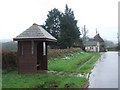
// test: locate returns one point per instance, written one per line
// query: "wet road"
(105, 72)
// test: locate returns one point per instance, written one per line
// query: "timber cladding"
(30, 57)
(32, 49)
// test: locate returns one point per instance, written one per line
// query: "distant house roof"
(35, 32)
(90, 43)
(93, 41)
(98, 38)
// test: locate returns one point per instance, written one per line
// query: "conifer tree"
(52, 23)
(69, 30)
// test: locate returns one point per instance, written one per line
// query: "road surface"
(105, 72)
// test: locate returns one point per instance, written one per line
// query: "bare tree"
(84, 32)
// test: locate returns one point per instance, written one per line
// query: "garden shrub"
(9, 59)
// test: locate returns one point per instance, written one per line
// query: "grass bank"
(73, 61)
(81, 62)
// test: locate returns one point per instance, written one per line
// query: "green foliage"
(87, 67)
(9, 60)
(15, 80)
(69, 30)
(63, 27)
(73, 62)
(52, 23)
(59, 53)
(79, 43)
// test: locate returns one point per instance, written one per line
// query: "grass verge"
(88, 66)
(15, 80)
(77, 62)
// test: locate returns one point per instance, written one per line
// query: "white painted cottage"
(91, 46)
(95, 44)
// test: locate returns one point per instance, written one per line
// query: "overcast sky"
(18, 15)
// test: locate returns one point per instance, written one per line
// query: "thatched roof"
(35, 32)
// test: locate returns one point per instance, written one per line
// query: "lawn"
(73, 61)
